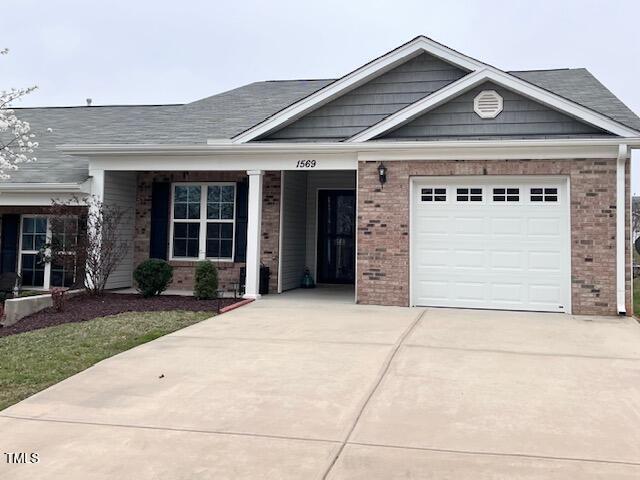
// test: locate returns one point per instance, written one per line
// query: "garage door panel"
(468, 259)
(468, 225)
(513, 260)
(511, 255)
(545, 261)
(506, 226)
(547, 227)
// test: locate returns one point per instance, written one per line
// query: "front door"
(336, 241)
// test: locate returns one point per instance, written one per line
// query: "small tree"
(86, 237)
(16, 140)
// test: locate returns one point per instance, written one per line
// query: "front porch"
(242, 221)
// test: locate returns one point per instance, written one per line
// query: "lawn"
(32, 361)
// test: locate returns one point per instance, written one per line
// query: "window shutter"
(9, 242)
(242, 214)
(160, 199)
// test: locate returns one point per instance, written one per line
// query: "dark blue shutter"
(160, 199)
(9, 245)
(242, 214)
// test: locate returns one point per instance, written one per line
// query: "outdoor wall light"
(382, 174)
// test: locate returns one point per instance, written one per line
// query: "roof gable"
(367, 104)
(355, 79)
(505, 80)
(520, 117)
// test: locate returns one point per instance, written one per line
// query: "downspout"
(623, 153)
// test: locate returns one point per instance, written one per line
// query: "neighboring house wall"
(294, 231)
(120, 191)
(368, 104)
(327, 179)
(228, 272)
(520, 117)
(383, 226)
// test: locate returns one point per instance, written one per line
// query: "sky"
(158, 51)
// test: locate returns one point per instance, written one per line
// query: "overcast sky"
(157, 51)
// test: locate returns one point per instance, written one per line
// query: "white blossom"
(16, 144)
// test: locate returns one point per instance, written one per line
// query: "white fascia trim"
(356, 78)
(107, 150)
(501, 78)
(623, 154)
(42, 187)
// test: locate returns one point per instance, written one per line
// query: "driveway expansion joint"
(372, 391)
(167, 429)
(497, 454)
(515, 352)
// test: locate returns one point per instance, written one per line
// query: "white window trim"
(202, 239)
(47, 265)
(46, 285)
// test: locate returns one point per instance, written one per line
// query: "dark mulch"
(85, 307)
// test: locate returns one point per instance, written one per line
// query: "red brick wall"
(383, 226)
(228, 272)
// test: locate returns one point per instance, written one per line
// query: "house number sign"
(306, 164)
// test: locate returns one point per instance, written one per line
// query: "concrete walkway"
(307, 385)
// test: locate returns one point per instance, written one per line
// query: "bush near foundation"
(206, 281)
(153, 277)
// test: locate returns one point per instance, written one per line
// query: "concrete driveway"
(304, 386)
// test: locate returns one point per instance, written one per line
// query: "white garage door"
(491, 242)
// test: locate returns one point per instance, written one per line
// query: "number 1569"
(306, 164)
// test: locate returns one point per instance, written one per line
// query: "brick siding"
(228, 272)
(383, 226)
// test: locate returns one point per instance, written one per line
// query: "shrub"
(206, 286)
(153, 276)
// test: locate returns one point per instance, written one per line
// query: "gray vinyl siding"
(294, 215)
(329, 179)
(521, 117)
(368, 104)
(120, 190)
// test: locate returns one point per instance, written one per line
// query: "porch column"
(254, 223)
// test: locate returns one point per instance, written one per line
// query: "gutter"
(41, 187)
(334, 147)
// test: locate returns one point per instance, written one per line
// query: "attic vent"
(487, 104)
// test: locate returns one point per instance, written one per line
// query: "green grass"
(636, 296)
(32, 361)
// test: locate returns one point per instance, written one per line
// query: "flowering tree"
(16, 140)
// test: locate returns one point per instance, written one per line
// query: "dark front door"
(336, 231)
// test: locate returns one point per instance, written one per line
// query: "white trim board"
(356, 78)
(505, 80)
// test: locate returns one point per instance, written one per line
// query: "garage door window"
(434, 194)
(510, 194)
(544, 194)
(469, 194)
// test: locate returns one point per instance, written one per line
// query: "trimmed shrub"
(206, 286)
(153, 276)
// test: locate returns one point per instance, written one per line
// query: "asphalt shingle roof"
(227, 114)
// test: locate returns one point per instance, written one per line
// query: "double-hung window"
(35, 232)
(203, 221)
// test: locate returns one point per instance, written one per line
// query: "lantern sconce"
(382, 174)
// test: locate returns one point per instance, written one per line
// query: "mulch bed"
(85, 307)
